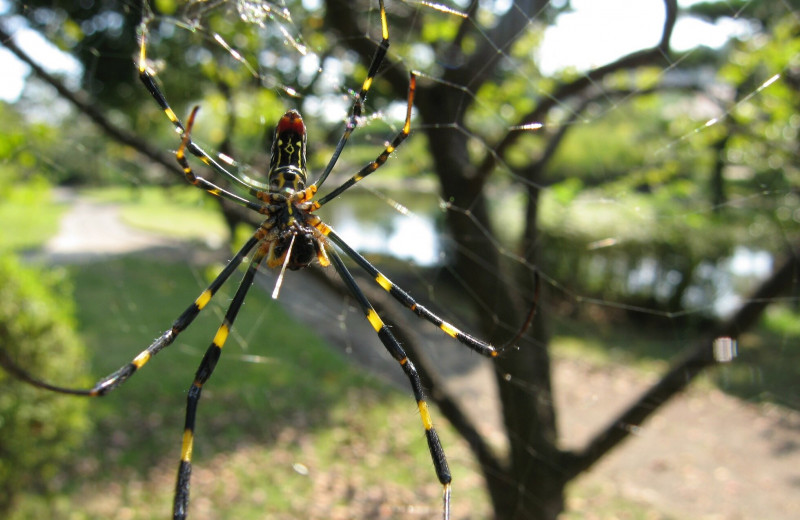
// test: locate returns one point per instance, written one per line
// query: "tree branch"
(496, 41)
(532, 172)
(78, 99)
(690, 364)
(572, 88)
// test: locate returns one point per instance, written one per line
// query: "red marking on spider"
(291, 122)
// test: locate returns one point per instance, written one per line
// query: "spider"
(290, 237)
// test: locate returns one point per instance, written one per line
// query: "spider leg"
(249, 185)
(358, 105)
(406, 299)
(204, 184)
(117, 378)
(397, 352)
(381, 159)
(202, 375)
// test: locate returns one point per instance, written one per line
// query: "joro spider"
(290, 237)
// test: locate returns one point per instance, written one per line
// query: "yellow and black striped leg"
(397, 352)
(358, 105)
(408, 301)
(381, 159)
(152, 87)
(210, 187)
(204, 372)
(117, 378)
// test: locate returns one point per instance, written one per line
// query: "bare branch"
(690, 364)
(495, 42)
(653, 56)
(78, 100)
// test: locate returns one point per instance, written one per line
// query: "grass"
(286, 424)
(28, 215)
(301, 434)
(603, 502)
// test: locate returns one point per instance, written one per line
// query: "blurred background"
(627, 169)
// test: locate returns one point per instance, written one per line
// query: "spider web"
(618, 216)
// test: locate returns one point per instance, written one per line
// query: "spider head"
(287, 163)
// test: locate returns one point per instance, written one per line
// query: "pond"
(404, 224)
(407, 224)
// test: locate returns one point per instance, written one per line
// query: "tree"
(483, 66)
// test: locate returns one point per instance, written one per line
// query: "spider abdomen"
(304, 251)
(291, 235)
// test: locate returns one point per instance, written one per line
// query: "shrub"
(37, 428)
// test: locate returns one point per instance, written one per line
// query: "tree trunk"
(531, 487)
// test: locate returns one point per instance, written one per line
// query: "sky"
(614, 28)
(619, 27)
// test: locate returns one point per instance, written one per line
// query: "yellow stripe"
(367, 84)
(203, 299)
(141, 359)
(322, 257)
(170, 114)
(375, 320)
(142, 65)
(384, 24)
(449, 329)
(221, 336)
(383, 282)
(426, 417)
(322, 228)
(186, 449)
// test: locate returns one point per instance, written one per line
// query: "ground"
(705, 455)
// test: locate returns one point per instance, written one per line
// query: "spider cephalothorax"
(287, 162)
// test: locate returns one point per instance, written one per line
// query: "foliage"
(38, 429)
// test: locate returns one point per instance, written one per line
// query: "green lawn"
(286, 425)
(299, 432)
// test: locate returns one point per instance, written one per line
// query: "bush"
(37, 428)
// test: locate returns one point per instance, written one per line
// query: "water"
(401, 224)
(408, 225)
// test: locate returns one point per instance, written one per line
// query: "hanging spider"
(290, 237)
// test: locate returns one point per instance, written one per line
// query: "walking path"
(705, 455)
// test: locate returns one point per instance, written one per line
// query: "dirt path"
(705, 455)
(91, 229)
